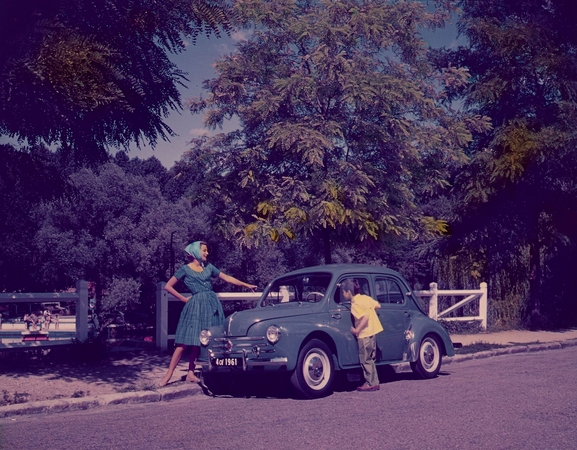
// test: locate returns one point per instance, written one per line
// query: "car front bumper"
(242, 354)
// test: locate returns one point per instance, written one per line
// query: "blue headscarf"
(194, 249)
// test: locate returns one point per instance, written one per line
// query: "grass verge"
(477, 347)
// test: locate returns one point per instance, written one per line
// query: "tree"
(518, 192)
(28, 178)
(343, 125)
(89, 75)
(115, 229)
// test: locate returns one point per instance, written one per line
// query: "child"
(367, 325)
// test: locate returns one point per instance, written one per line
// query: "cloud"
(198, 132)
(241, 35)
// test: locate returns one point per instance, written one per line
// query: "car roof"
(339, 269)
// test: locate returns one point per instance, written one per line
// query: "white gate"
(470, 295)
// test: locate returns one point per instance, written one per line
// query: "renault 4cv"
(301, 327)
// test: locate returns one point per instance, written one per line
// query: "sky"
(198, 61)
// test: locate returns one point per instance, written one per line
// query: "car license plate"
(227, 362)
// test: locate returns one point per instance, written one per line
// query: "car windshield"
(310, 288)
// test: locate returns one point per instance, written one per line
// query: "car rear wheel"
(314, 374)
(428, 362)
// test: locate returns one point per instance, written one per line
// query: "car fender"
(337, 343)
(422, 327)
(294, 335)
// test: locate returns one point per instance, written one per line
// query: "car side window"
(389, 291)
(361, 284)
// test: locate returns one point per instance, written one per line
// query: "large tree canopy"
(342, 119)
(518, 192)
(88, 75)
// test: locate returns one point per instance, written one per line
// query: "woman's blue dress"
(203, 309)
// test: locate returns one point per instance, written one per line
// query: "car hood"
(238, 324)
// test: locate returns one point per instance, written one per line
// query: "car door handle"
(407, 313)
(336, 316)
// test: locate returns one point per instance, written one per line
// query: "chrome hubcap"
(315, 370)
(429, 355)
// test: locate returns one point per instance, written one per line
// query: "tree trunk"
(535, 278)
(327, 246)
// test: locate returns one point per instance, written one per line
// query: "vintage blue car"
(301, 327)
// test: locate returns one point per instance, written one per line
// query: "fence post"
(82, 311)
(161, 316)
(483, 306)
(434, 302)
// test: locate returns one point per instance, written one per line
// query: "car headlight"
(205, 337)
(273, 334)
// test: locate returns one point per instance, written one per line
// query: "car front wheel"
(428, 362)
(314, 374)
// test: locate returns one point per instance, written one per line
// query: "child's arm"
(363, 322)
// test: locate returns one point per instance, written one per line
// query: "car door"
(395, 317)
(341, 319)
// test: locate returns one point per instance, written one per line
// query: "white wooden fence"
(80, 297)
(433, 295)
(163, 298)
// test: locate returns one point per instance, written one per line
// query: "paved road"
(526, 400)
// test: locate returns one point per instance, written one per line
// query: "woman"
(201, 311)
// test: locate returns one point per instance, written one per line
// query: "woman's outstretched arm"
(232, 280)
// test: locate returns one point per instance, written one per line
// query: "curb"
(512, 350)
(163, 394)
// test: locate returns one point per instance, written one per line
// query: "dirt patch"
(35, 376)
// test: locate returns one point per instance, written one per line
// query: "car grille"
(249, 345)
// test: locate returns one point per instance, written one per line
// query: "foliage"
(516, 195)
(14, 399)
(121, 294)
(459, 327)
(342, 121)
(116, 230)
(89, 75)
(27, 179)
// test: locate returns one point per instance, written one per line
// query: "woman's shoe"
(163, 382)
(192, 378)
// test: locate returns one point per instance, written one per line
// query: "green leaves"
(518, 190)
(517, 145)
(89, 76)
(340, 112)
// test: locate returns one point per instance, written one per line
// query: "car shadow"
(279, 386)
(250, 386)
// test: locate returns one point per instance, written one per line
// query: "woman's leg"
(194, 353)
(173, 363)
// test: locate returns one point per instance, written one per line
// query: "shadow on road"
(279, 386)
